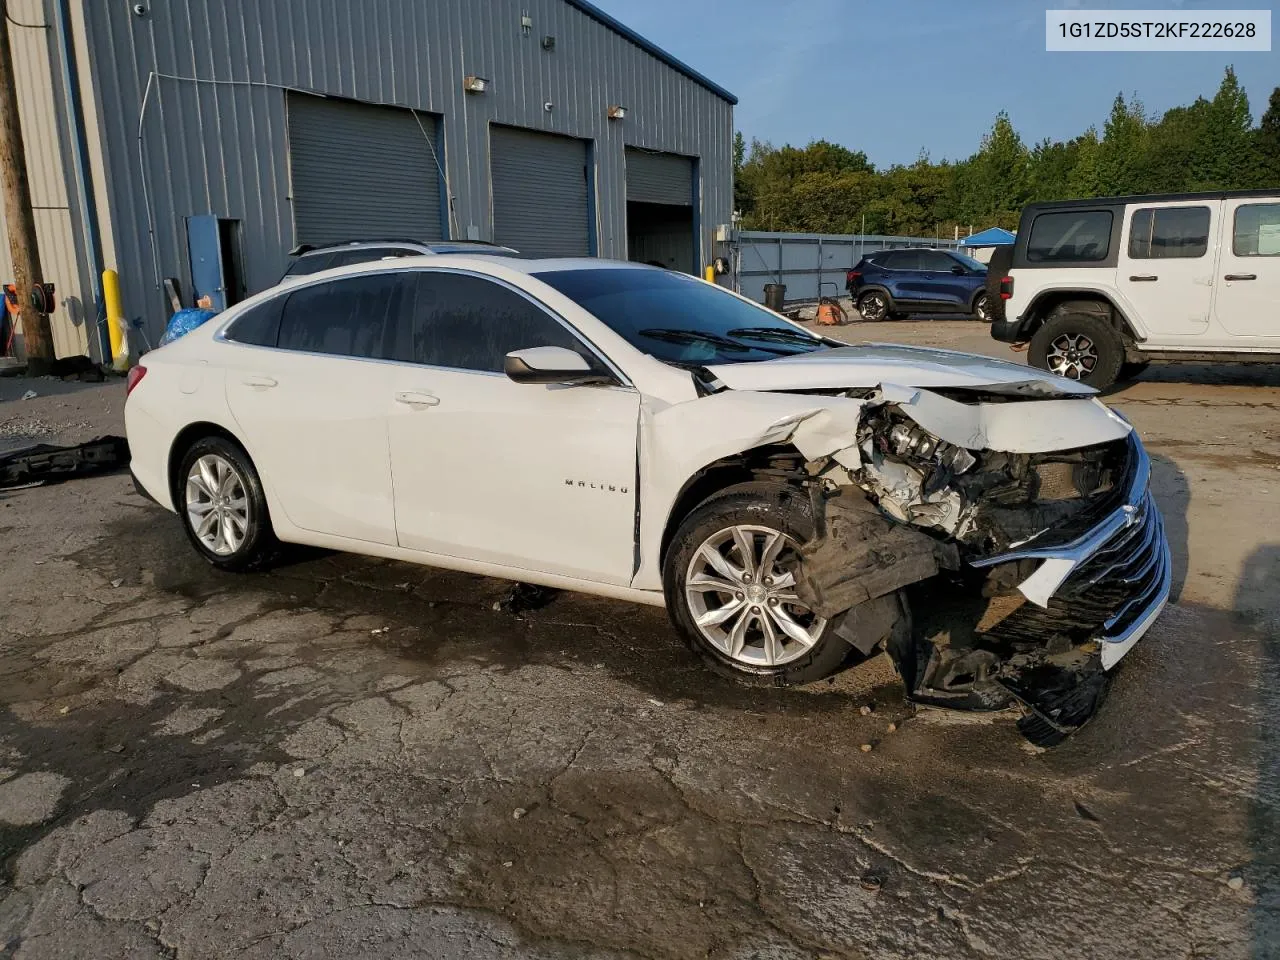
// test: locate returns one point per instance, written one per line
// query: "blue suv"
(894, 283)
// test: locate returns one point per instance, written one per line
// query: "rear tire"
(874, 306)
(222, 506)
(750, 631)
(1080, 347)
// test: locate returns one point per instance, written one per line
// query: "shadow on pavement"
(1256, 603)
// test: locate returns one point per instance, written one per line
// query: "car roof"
(1153, 198)
(478, 259)
(426, 246)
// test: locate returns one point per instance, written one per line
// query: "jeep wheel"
(1079, 347)
(873, 306)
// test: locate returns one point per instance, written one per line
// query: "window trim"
(312, 280)
(1133, 212)
(1235, 218)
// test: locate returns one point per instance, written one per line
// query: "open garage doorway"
(662, 227)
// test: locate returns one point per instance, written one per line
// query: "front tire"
(874, 306)
(222, 507)
(982, 308)
(1080, 347)
(730, 597)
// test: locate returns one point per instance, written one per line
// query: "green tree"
(1224, 155)
(997, 179)
(1123, 148)
(1268, 143)
(1085, 179)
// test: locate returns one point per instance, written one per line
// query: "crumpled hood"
(867, 365)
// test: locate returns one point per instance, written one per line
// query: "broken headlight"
(913, 443)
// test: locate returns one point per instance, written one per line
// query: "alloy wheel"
(1073, 356)
(217, 504)
(980, 308)
(743, 600)
(873, 307)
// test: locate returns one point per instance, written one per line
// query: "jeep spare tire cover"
(997, 269)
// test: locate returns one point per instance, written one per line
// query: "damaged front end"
(996, 569)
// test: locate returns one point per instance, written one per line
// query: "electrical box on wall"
(724, 233)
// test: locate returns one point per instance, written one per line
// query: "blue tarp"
(994, 237)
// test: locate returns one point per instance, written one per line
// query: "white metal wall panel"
(362, 172)
(540, 193)
(659, 178)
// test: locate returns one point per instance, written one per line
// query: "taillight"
(853, 276)
(135, 377)
(1006, 288)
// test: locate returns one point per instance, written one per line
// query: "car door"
(1166, 266)
(539, 477)
(940, 285)
(1247, 288)
(309, 385)
(901, 275)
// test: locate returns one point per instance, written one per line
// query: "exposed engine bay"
(993, 577)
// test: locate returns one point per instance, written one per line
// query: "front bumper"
(1109, 584)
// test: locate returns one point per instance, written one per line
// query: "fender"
(1119, 302)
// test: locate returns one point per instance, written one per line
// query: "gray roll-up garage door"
(659, 178)
(360, 171)
(540, 198)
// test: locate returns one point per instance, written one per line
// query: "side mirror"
(958, 270)
(550, 365)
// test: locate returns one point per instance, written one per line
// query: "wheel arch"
(1097, 302)
(183, 441)
(781, 462)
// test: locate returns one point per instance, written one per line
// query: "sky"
(892, 77)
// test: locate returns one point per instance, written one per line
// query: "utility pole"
(20, 221)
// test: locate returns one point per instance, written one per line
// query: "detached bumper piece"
(48, 463)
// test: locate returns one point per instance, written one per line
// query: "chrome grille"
(1108, 593)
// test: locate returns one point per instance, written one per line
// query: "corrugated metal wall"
(811, 264)
(222, 147)
(35, 60)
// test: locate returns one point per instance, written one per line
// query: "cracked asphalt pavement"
(348, 757)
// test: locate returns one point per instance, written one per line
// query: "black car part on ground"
(49, 463)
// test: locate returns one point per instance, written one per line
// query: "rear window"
(1164, 233)
(1257, 230)
(1070, 235)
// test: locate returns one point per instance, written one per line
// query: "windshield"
(972, 264)
(680, 319)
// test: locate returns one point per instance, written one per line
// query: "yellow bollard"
(115, 320)
(710, 273)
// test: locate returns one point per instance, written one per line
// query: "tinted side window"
(1070, 235)
(1161, 233)
(903, 260)
(936, 262)
(345, 258)
(308, 264)
(1257, 230)
(470, 323)
(259, 325)
(351, 317)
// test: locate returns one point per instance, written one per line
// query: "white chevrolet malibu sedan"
(794, 502)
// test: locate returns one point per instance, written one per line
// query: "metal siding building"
(188, 113)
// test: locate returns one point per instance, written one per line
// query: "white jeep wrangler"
(1099, 288)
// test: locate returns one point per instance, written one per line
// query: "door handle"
(1141, 277)
(261, 382)
(1241, 276)
(417, 398)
